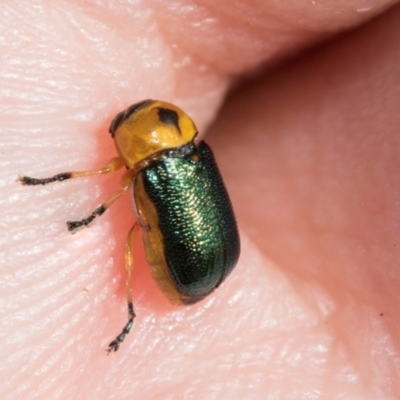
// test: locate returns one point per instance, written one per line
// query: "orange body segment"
(150, 129)
(154, 243)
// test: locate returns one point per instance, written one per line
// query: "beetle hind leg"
(114, 345)
(129, 261)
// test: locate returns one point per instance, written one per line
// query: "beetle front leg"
(129, 260)
(112, 166)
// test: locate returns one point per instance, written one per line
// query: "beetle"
(182, 208)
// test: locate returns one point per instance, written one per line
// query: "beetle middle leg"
(126, 183)
(129, 260)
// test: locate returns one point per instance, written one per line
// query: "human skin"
(310, 155)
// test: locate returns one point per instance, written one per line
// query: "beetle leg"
(126, 183)
(129, 260)
(112, 166)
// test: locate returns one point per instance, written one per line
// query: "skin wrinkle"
(267, 330)
(274, 34)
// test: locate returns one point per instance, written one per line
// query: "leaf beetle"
(182, 208)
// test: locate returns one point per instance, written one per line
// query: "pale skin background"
(310, 154)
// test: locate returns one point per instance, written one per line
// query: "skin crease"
(309, 152)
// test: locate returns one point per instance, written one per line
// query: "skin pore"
(307, 142)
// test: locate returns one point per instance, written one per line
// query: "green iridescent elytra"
(195, 222)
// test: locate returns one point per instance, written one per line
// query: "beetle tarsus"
(73, 225)
(29, 181)
(114, 345)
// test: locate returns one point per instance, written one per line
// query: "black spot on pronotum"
(169, 117)
(124, 115)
